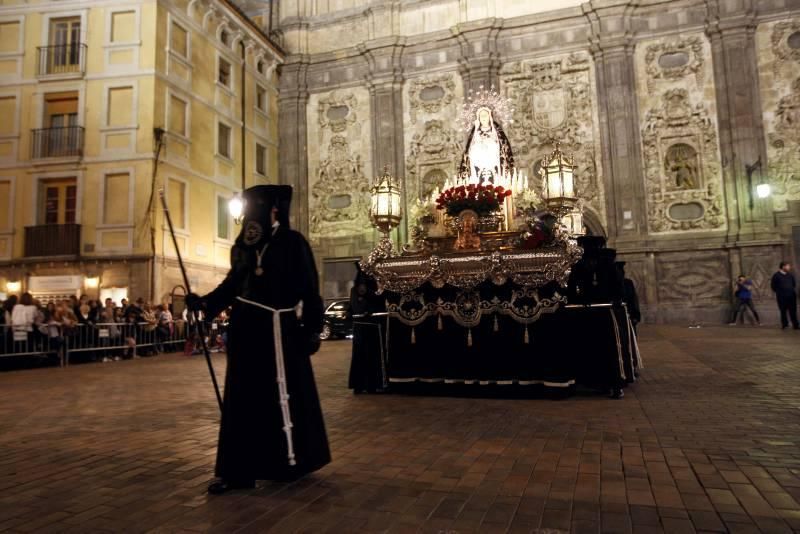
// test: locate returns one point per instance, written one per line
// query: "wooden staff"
(188, 290)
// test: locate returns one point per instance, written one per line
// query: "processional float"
(488, 222)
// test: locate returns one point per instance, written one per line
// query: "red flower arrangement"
(483, 199)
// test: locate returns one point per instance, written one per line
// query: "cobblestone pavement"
(706, 441)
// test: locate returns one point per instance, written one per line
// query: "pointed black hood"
(258, 203)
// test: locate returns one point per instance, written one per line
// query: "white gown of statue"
(484, 152)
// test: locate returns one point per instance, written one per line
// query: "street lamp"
(14, 287)
(763, 190)
(385, 210)
(91, 282)
(236, 208)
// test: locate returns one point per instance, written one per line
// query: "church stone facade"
(663, 103)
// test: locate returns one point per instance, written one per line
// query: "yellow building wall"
(119, 141)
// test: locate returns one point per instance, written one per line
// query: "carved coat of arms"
(549, 107)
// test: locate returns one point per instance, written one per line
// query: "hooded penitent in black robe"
(253, 442)
(368, 363)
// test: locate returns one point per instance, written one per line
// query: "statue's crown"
(500, 106)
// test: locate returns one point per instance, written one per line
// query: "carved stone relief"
(786, 42)
(336, 113)
(683, 176)
(759, 264)
(338, 155)
(553, 102)
(779, 71)
(687, 280)
(430, 95)
(433, 142)
(672, 60)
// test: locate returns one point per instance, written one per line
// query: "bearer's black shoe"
(223, 486)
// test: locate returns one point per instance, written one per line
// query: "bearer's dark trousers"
(787, 304)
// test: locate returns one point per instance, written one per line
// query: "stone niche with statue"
(680, 146)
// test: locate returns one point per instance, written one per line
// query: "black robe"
(252, 441)
(368, 364)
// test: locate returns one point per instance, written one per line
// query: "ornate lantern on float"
(559, 185)
(385, 210)
(573, 222)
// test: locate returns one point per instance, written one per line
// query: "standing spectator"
(130, 330)
(23, 316)
(69, 319)
(785, 288)
(82, 312)
(110, 320)
(743, 291)
(75, 303)
(147, 333)
(165, 327)
(94, 311)
(8, 306)
(52, 329)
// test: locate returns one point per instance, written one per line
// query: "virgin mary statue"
(488, 152)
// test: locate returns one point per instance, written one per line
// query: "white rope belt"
(280, 367)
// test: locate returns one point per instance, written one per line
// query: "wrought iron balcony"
(61, 59)
(57, 142)
(52, 240)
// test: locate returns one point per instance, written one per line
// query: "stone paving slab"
(707, 441)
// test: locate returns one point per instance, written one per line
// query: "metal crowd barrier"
(15, 341)
(115, 337)
(108, 338)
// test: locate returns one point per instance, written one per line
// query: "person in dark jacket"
(629, 296)
(785, 288)
(272, 426)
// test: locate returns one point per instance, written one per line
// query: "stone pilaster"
(741, 127)
(621, 139)
(479, 61)
(293, 137)
(385, 84)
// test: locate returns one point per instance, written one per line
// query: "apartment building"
(104, 103)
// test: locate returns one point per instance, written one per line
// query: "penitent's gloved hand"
(194, 302)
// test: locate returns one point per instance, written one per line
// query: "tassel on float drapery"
(469, 337)
(527, 336)
(413, 336)
(439, 324)
(496, 324)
